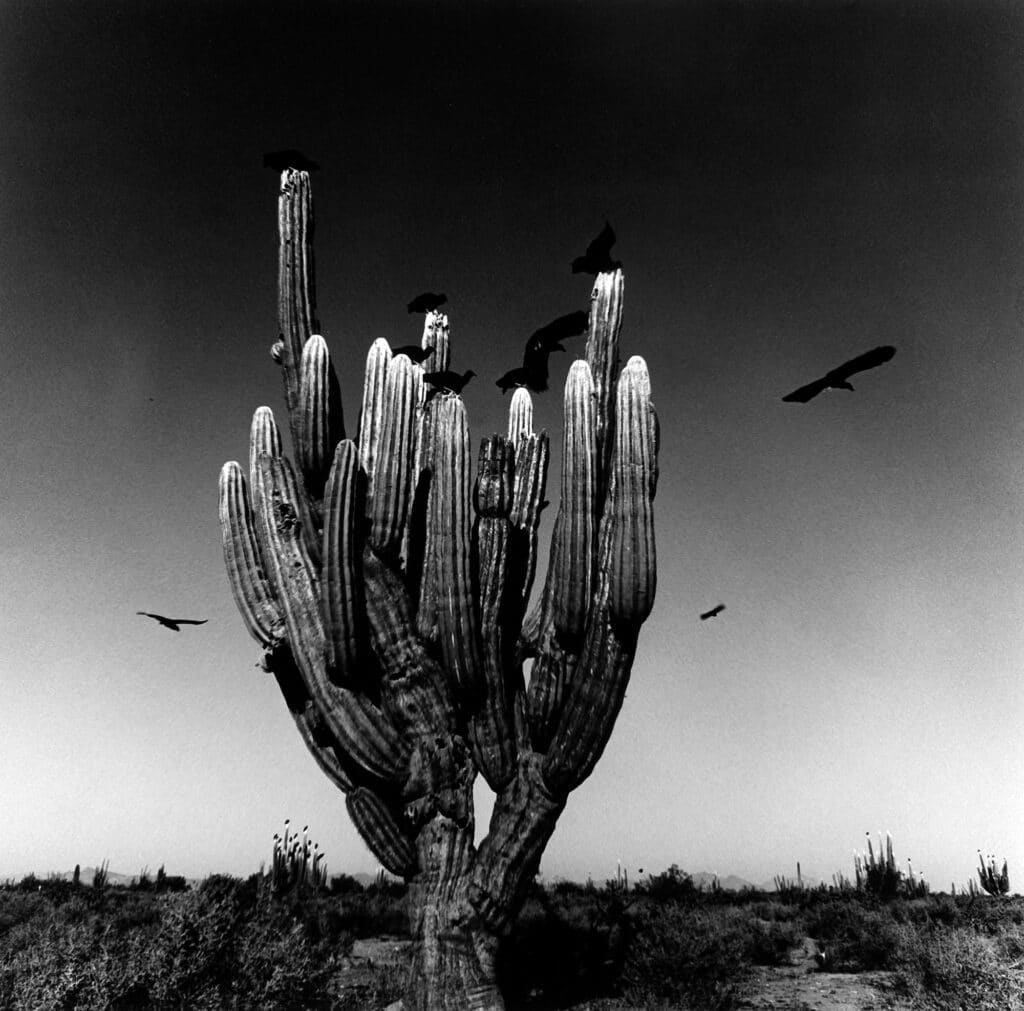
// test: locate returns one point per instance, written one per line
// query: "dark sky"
(791, 184)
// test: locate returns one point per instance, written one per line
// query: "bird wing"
(188, 621)
(808, 392)
(602, 245)
(869, 360)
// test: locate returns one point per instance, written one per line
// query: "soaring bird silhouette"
(413, 352)
(572, 324)
(447, 380)
(597, 258)
(289, 159)
(713, 612)
(533, 373)
(839, 379)
(172, 623)
(427, 302)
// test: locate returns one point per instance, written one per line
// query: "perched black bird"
(447, 380)
(413, 352)
(290, 159)
(173, 623)
(839, 379)
(427, 302)
(713, 612)
(534, 371)
(597, 258)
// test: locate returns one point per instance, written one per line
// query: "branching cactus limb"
(388, 590)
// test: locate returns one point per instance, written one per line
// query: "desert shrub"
(957, 968)
(692, 958)
(853, 937)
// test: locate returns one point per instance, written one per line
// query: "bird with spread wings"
(172, 623)
(839, 379)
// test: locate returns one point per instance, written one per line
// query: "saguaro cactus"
(389, 592)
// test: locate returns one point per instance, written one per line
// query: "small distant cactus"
(389, 591)
(295, 864)
(994, 882)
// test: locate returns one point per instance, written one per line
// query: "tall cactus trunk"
(389, 591)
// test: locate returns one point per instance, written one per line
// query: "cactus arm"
(520, 417)
(342, 600)
(396, 453)
(436, 335)
(573, 556)
(422, 561)
(449, 516)
(371, 417)
(249, 585)
(602, 354)
(296, 308)
(381, 829)
(491, 729)
(531, 473)
(632, 562)
(264, 437)
(522, 822)
(358, 725)
(624, 594)
(415, 691)
(319, 424)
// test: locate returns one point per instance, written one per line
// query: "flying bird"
(713, 612)
(572, 324)
(427, 302)
(290, 159)
(413, 352)
(533, 373)
(173, 623)
(839, 379)
(447, 380)
(597, 258)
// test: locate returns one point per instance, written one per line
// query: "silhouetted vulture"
(533, 373)
(427, 302)
(290, 159)
(839, 379)
(448, 380)
(572, 324)
(713, 612)
(514, 377)
(597, 258)
(413, 352)
(172, 623)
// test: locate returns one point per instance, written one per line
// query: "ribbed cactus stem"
(264, 437)
(395, 459)
(530, 482)
(491, 724)
(423, 560)
(520, 417)
(371, 417)
(603, 353)
(342, 600)
(449, 515)
(359, 727)
(632, 571)
(436, 336)
(573, 559)
(249, 584)
(378, 823)
(319, 424)
(296, 283)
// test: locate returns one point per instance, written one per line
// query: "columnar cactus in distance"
(389, 591)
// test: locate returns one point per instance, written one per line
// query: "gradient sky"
(791, 184)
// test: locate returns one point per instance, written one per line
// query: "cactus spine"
(389, 592)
